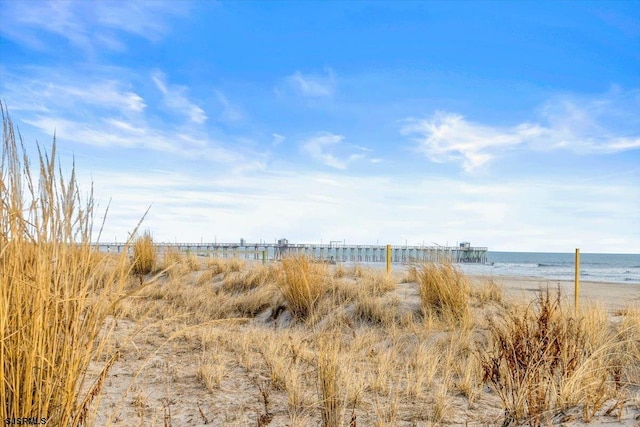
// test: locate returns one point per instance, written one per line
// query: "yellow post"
(388, 259)
(577, 279)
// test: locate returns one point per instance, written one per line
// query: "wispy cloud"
(114, 133)
(449, 137)
(147, 19)
(230, 112)
(175, 98)
(89, 26)
(313, 85)
(44, 90)
(322, 149)
(606, 124)
(102, 111)
(277, 139)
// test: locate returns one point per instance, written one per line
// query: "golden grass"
(239, 281)
(226, 265)
(55, 291)
(375, 311)
(376, 283)
(144, 254)
(210, 372)
(444, 291)
(543, 359)
(302, 283)
(330, 377)
(488, 292)
(174, 262)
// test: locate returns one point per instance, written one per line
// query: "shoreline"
(610, 295)
(471, 269)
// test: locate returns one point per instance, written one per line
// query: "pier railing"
(328, 252)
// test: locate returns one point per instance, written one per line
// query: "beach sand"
(612, 296)
(159, 378)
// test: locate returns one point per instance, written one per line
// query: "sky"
(510, 125)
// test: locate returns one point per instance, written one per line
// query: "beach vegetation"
(543, 358)
(444, 292)
(144, 254)
(56, 291)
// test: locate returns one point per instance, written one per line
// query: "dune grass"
(444, 292)
(56, 291)
(330, 377)
(543, 359)
(302, 283)
(144, 254)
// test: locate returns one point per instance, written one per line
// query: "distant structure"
(336, 250)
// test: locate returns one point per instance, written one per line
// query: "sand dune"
(396, 368)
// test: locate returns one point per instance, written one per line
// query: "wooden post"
(577, 280)
(388, 259)
(264, 257)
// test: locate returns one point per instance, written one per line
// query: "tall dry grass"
(302, 283)
(55, 290)
(444, 291)
(145, 257)
(330, 379)
(543, 359)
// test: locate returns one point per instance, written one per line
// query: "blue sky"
(513, 125)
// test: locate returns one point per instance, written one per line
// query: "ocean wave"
(514, 264)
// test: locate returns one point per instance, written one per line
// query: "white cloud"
(320, 149)
(605, 124)
(89, 26)
(43, 90)
(96, 109)
(110, 132)
(449, 137)
(175, 98)
(22, 20)
(146, 19)
(107, 93)
(230, 113)
(277, 139)
(313, 85)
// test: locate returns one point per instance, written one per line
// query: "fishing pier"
(334, 251)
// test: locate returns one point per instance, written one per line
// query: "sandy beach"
(182, 363)
(612, 296)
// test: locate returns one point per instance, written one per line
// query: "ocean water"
(611, 268)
